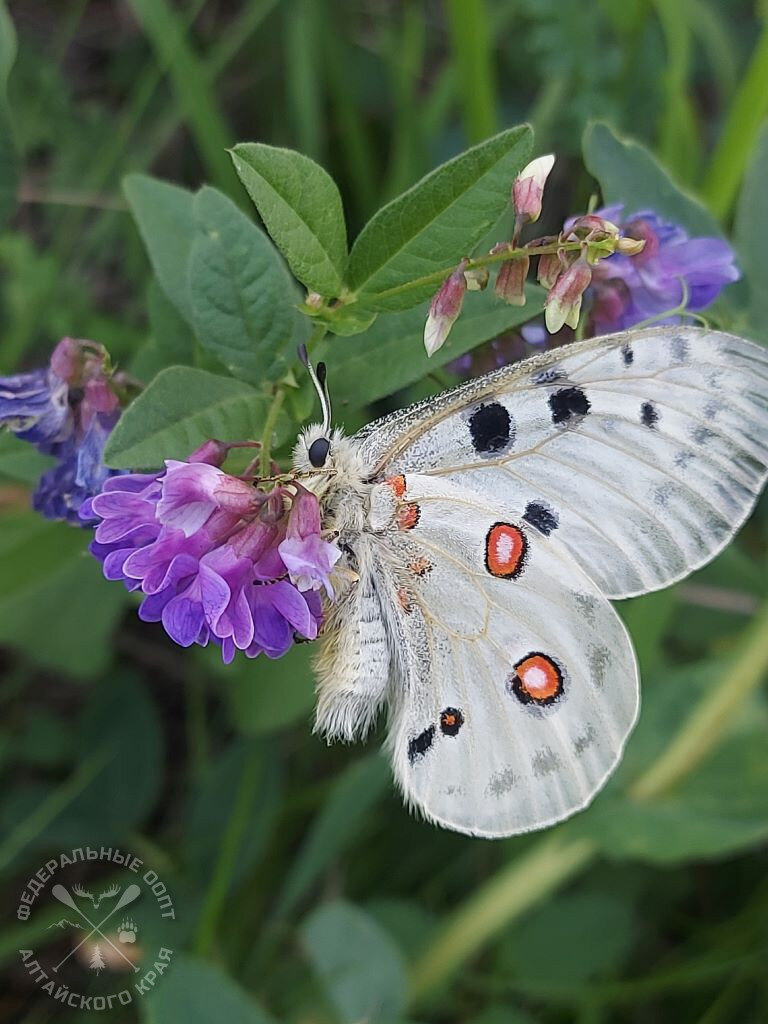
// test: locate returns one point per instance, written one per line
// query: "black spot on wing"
(649, 414)
(451, 720)
(541, 516)
(568, 402)
(490, 427)
(627, 355)
(419, 745)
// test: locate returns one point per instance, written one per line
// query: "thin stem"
(551, 861)
(270, 423)
(546, 865)
(703, 730)
(230, 847)
(512, 252)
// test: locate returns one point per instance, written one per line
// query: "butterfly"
(488, 529)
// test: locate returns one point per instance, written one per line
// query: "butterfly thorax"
(341, 485)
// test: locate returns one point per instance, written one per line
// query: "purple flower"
(34, 406)
(216, 559)
(627, 289)
(67, 411)
(308, 559)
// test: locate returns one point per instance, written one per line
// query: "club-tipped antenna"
(318, 379)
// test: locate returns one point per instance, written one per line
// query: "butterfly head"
(322, 453)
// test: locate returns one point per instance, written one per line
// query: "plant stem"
(438, 276)
(703, 730)
(270, 423)
(551, 861)
(546, 865)
(230, 846)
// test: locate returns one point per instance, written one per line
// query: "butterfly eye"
(318, 452)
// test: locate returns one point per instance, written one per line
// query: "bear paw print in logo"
(128, 930)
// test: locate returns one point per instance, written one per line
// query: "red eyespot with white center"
(505, 550)
(537, 679)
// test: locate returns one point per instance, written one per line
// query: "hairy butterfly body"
(488, 529)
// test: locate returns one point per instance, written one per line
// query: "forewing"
(515, 681)
(642, 452)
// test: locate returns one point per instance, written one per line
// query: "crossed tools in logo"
(131, 893)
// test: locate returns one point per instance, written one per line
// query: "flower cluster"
(670, 267)
(623, 270)
(66, 410)
(217, 558)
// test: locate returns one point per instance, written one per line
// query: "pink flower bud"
(445, 309)
(67, 360)
(99, 396)
(510, 281)
(593, 227)
(563, 303)
(214, 453)
(551, 267)
(528, 188)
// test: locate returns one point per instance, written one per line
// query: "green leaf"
(9, 163)
(390, 355)
(213, 804)
(751, 235)
(171, 341)
(301, 208)
(720, 808)
(180, 409)
(334, 829)
(567, 941)
(628, 173)
(242, 299)
(165, 217)
(435, 223)
(361, 968)
(279, 694)
(196, 992)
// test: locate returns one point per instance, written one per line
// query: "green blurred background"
(304, 891)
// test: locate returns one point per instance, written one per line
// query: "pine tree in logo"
(97, 961)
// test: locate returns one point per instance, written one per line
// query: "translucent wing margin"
(642, 452)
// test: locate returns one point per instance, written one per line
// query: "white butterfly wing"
(643, 452)
(516, 684)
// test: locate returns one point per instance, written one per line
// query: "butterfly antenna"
(319, 380)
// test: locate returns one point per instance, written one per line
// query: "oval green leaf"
(301, 208)
(435, 223)
(242, 298)
(628, 173)
(180, 409)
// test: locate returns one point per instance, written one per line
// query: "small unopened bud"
(630, 246)
(510, 281)
(528, 188)
(476, 278)
(563, 303)
(314, 300)
(213, 453)
(592, 227)
(550, 268)
(445, 309)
